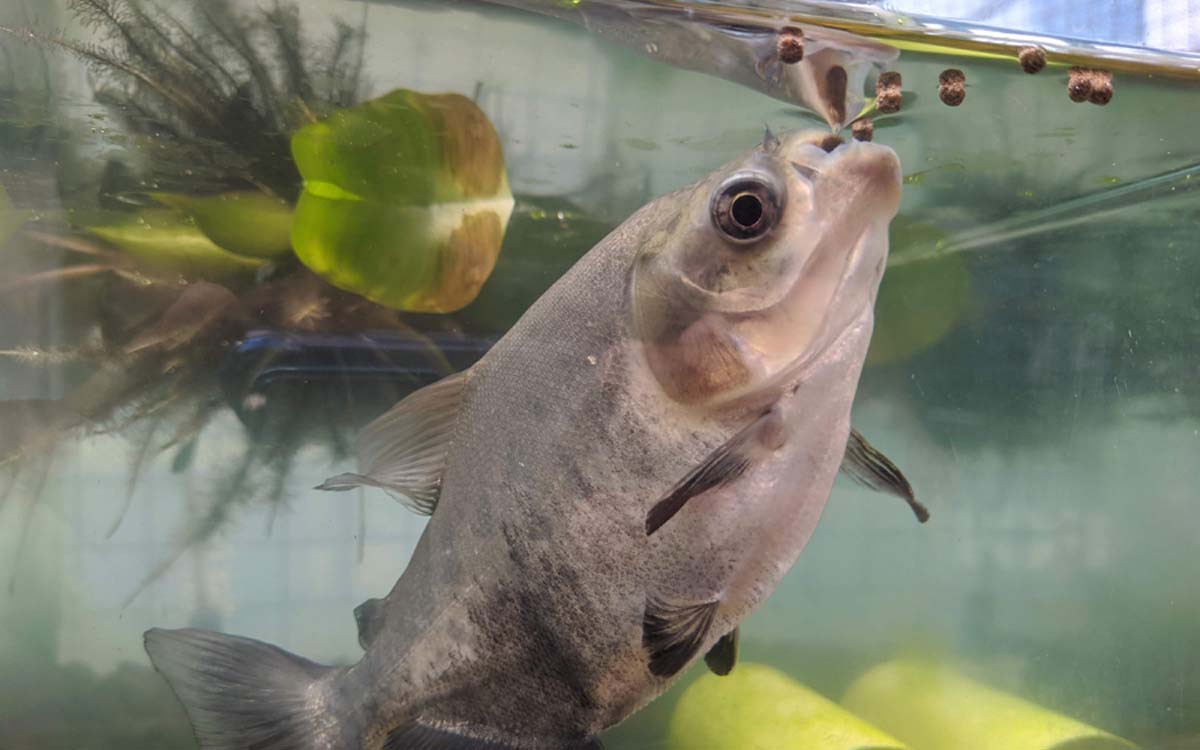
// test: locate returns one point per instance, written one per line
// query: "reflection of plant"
(212, 103)
(161, 299)
(217, 99)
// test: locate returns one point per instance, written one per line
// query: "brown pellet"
(887, 92)
(1032, 59)
(952, 87)
(887, 80)
(1089, 85)
(1102, 88)
(1079, 84)
(790, 45)
(888, 102)
(1102, 93)
(863, 130)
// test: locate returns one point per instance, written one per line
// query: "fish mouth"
(871, 170)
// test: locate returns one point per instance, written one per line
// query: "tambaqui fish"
(619, 481)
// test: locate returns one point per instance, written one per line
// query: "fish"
(613, 487)
(820, 69)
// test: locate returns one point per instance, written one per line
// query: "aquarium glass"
(218, 266)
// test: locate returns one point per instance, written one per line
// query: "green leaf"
(245, 222)
(167, 241)
(405, 200)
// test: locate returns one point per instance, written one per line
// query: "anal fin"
(417, 736)
(673, 633)
(730, 460)
(722, 657)
(867, 465)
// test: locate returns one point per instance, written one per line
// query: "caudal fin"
(240, 693)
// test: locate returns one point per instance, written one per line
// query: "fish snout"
(874, 169)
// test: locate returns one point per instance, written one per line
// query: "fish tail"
(240, 693)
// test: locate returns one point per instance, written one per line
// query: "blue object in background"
(1164, 24)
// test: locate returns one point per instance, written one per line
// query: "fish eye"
(745, 209)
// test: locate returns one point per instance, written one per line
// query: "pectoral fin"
(722, 657)
(404, 451)
(725, 464)
(865, 464)
(673, 632)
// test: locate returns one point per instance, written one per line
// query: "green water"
(1035, 371)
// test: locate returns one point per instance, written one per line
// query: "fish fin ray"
(867, 465)
(725, 464)
(368, 616)
(404, 450)
(418, 736)
(672, 633)
(347, 481)
(723, 656)
(242, 693)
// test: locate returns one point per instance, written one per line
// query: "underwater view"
(565, 374)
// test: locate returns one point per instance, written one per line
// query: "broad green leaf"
(405, 200)
(244, 222)
(167, 241)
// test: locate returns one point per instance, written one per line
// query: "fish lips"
(870, 170)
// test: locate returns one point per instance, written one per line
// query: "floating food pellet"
(952, 87)
(791, 45)
(1079, 84)
(1086, 84)
(1102, 88)
(1032, 59)
(887, 92)
(887, 80)
(1102, 93)
(863, 130)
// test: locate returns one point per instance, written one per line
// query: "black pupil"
(747, 209)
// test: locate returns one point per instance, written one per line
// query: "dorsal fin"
(368, 616)
(673, 632)
(404, 451)
(867, 465)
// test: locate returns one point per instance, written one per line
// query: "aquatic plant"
(214, 99)
(211, 104)
(186, 246)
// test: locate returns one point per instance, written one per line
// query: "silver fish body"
(828, 80)
(618, 482)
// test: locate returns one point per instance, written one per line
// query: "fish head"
(763, 266)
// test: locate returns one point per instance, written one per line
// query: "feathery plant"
(214, 99)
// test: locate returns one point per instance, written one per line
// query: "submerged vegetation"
(182, 246)
(213, 99)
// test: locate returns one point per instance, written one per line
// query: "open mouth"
(820, 155)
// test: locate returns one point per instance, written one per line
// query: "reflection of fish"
(745, 48)
(615, 484)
